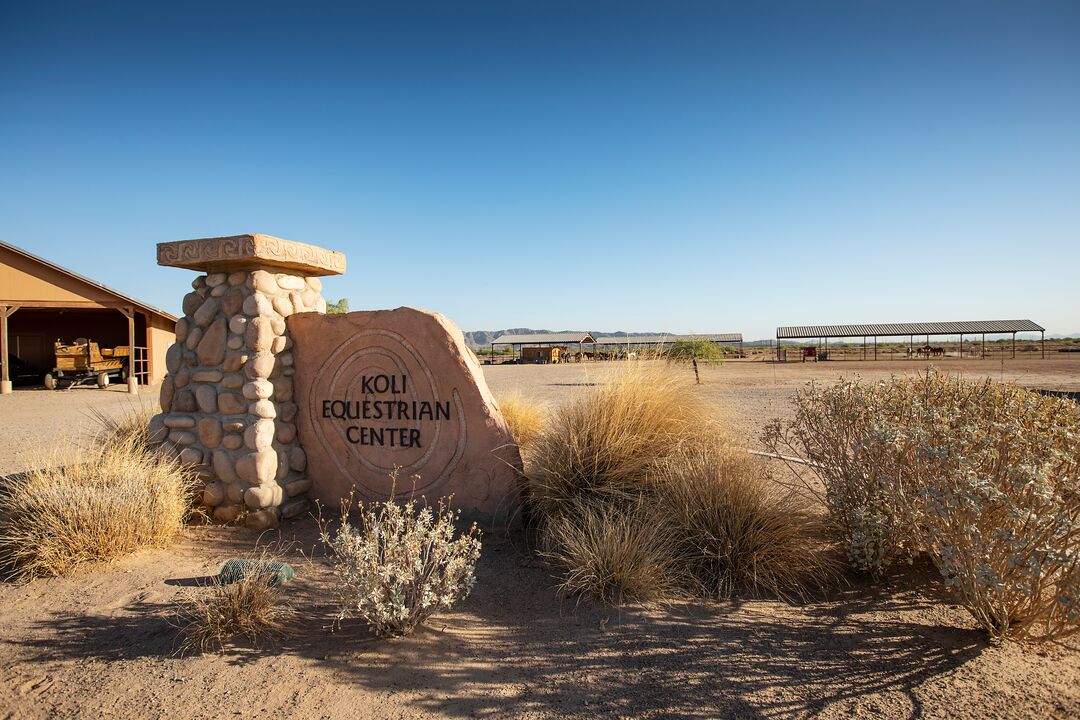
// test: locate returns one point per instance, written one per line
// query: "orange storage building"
(42, 303)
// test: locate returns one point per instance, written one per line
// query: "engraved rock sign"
(398, 390)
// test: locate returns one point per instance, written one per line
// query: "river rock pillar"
(227, 401)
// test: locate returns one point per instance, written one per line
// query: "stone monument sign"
(227, 401)
(398, 391)
(272, 400)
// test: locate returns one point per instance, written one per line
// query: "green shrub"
(694, 351)
(340, 307)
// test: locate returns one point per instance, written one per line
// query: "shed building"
(542, 347)
(41, 303)
(541, 354)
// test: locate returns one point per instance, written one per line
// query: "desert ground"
(101, 643)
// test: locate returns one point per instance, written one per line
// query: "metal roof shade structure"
(731, 338)
(544, 339)
(961, 328)
(973, 327)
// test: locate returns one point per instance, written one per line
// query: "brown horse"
(927, 351)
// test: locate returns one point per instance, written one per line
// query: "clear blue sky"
(679, 166)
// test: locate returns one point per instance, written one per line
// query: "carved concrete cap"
(242, 252)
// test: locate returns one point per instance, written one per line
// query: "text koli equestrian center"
(386, 411)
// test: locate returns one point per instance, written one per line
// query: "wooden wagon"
(85, 362)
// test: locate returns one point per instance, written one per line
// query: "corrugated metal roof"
(668, 339)
(970, 327)
(543, 339)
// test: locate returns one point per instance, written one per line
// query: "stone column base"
(227, 401)
(133, 385)
(5, 387)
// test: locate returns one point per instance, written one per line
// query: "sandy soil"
(753, 392)
(101, 643)
(35, 420)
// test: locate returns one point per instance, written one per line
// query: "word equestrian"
(386, 410)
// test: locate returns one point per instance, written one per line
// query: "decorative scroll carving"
(209, 250)
(250, 251)
(295, 252)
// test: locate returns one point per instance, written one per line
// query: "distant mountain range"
(483, 338)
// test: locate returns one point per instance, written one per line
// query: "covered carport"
(42, 303)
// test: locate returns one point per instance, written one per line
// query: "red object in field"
(810, 352)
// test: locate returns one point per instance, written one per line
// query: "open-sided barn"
(42, 303)
(925, 331)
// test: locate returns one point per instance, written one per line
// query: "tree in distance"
(341, 306)
(693, 351)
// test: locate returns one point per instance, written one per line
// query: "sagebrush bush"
(93, 501)
(983, 476)
(402, 564)
(834, 430)
(638, 492)
(254, 607)
(524, 418)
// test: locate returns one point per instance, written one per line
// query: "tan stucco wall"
(160, 334)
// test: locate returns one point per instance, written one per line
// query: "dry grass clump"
(611, 443)
(985, 477)
(129, 429)
(615, 553)
(96, 501)
(740, 529)
(254, 607)
(637, 492)
(524, 418)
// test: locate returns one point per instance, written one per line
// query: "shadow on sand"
(513, 647)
